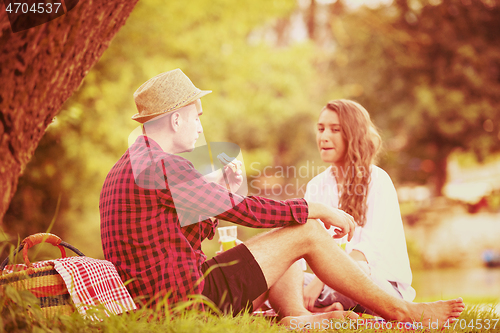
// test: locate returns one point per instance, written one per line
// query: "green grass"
(20, 313)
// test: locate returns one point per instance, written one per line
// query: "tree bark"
(311, 20)
(40, 68)
(441, 171)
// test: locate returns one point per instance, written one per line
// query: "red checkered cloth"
(91, 282)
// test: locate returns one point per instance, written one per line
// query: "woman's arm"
(312, 292)
(360, 259)
(358, 256)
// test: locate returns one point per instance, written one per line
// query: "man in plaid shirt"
(156, 209)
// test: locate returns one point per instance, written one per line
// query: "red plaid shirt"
(154, 210)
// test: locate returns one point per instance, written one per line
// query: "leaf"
(13, 294)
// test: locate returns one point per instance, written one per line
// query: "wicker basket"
(43, 282)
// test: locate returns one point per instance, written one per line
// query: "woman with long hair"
(348, 140)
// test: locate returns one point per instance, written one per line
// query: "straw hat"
(166, 92)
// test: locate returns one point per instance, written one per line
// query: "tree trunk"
(40, 68)
(311, 20)
(441, 171)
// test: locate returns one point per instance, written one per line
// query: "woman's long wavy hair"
(363, 144)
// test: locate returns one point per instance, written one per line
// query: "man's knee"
(300, 237)
(315, 228)
(310, 232)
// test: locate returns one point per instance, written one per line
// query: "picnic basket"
(41, 279)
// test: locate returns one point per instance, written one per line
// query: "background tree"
(40, 68)
(429, 72)
(261, 101)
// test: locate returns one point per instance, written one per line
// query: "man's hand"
(333, 217)
(231, 173)
(312, 292)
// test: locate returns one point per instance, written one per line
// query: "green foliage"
(415, 255)
(429, 73)
(20, 311)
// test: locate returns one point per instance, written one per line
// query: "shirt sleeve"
(188, 190)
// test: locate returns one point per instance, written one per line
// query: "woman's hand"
(332, 217)
(312, 292)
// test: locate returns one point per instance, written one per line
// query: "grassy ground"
(21, 314)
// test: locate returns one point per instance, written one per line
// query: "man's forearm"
(316, 210)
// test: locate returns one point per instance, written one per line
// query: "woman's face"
(331, 143)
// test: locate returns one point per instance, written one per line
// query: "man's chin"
(188, 150)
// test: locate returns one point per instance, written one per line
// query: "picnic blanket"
(92, 282)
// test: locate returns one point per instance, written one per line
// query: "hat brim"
(144, 118)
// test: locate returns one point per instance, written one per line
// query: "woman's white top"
(381, 239)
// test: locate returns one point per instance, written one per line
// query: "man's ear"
(175, 121)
